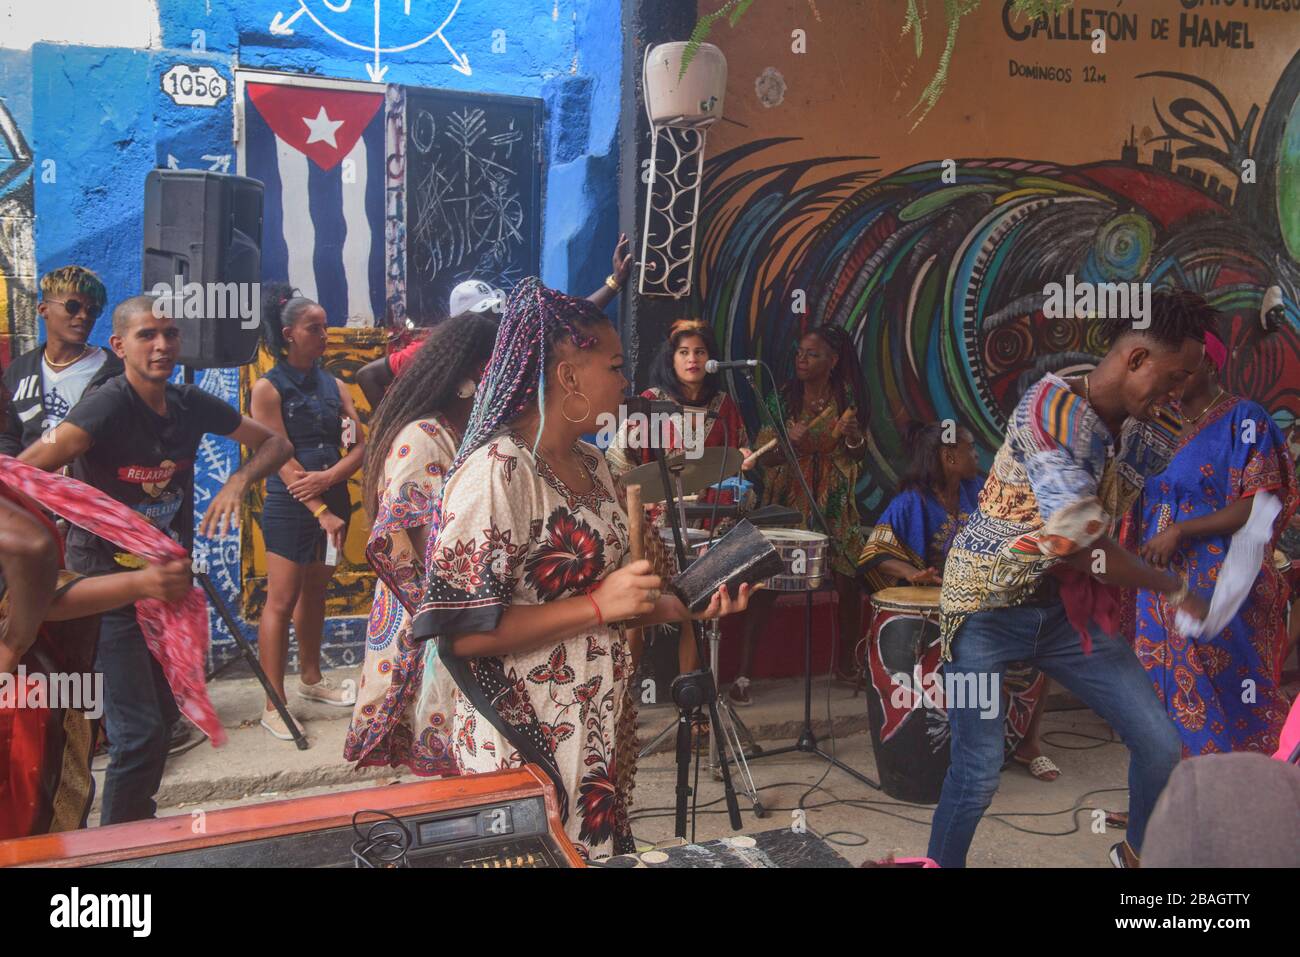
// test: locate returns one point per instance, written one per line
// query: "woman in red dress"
(678, 376)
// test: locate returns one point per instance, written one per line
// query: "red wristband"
(600, 619)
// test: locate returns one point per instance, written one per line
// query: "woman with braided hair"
(524, 586)
(403, 710)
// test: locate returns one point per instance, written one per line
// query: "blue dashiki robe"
(1235, 451)
(915, 528)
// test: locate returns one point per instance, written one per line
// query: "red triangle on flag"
(321, 123)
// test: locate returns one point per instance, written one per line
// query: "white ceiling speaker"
(692, 100)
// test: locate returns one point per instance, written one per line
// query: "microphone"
(713, 365)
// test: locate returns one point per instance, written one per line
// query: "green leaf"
(704, 26)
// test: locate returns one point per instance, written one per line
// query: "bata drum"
(906, 700)
(802, 553)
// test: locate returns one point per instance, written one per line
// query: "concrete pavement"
(253, 766)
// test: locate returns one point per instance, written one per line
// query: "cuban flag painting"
(320, 152)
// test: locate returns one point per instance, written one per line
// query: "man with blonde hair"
(45, 383)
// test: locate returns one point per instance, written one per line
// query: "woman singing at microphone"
(678, 375)
(821, 419)
(524, 576)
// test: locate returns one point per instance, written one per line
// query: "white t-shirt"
(64, 387)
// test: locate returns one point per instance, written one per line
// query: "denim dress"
(312, 413)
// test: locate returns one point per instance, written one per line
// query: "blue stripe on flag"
(260, 162)
(325, 199)
(377, 170)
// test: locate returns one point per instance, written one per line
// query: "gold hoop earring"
(565, 405)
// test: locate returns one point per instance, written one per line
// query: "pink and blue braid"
(536, 319)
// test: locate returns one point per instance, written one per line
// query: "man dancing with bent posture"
(1019, 585)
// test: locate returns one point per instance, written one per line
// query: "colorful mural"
(938, 267)
(17, 240)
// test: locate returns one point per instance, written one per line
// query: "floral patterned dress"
(514, 534)
(404, 705)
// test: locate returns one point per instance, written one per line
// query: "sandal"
(701, 729)
(1041, 767)
(1117, 819)
(738, 694)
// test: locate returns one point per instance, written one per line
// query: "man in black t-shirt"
(136, 438)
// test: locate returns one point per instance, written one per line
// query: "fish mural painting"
(943, 279)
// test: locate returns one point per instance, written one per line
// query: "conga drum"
(908, 734)
(905, 700)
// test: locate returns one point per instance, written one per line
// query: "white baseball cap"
(474, 295)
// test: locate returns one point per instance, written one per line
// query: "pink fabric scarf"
(176, 634)
(1087, 600)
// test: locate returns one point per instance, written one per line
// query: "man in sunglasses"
(48, 381)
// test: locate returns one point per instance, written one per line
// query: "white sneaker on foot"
(273, 723)
(326, 691)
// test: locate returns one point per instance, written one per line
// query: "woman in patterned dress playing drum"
(524, 578)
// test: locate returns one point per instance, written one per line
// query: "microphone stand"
(694, 690)
(807, 741)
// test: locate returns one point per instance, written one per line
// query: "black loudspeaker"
(203, 244)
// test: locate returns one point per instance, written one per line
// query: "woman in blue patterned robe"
(1222, 690)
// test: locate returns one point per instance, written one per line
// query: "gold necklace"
(63, 365)
(1201, 414)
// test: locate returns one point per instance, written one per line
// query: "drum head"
(692, 536)
(908, 598)
(799, 535)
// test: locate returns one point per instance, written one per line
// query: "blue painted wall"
(101, 115)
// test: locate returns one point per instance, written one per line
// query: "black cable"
(877, 806)
(695, 789)
(1079, 734)
(388, 846)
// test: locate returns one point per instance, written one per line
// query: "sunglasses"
(74, 307)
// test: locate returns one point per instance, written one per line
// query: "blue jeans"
(139, 712)
(1109, 680)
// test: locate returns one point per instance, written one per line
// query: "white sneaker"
(326, 691)
(273, 723)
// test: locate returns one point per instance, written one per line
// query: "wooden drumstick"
(758, 453)
(635, 522)
(838, 428)
(636, 544)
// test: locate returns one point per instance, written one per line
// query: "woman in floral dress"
(403, 711)
(524, 579)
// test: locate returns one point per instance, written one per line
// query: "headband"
(1216, 351)
(687, 325)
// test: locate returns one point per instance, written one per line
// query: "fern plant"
(913, 24)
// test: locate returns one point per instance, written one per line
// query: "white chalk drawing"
(355, 28)
(467, 204)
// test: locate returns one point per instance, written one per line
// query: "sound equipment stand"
(246, 651)
(729, 726)
(807, 741)
(693, 690)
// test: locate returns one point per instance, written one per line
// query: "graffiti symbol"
(362, 27)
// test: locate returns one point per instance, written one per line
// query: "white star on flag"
(322, 128)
